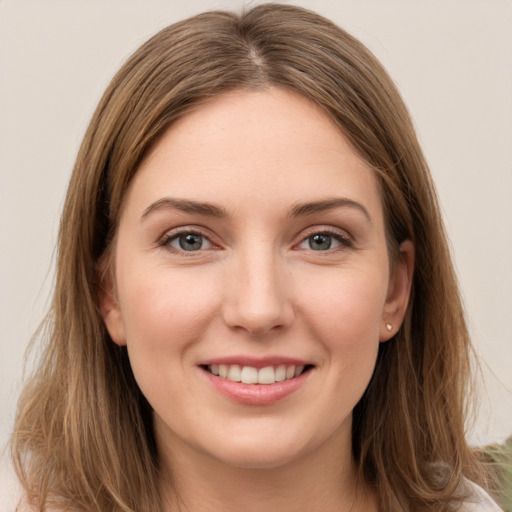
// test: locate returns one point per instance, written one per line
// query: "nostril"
(258, 321)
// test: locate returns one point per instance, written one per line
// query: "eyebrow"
(186, 205)
(310, 208)
(212, 210)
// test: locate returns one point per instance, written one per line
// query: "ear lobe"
(109, 308)
(399, 291)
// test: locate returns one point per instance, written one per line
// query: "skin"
(258, 285)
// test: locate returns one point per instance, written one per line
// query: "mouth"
(251, 375)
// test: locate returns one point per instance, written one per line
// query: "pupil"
(320, 242)
(190, 242)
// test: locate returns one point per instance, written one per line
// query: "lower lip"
(256, 394)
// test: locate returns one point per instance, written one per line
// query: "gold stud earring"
(389, 327)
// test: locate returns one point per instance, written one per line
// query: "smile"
(253, 381)
(252, 375)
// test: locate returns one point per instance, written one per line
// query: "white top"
(479, 501)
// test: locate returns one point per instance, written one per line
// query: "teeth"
(234, 373)
(280, 373)
(266, 375)
(251, 375)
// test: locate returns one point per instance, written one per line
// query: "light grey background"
(451, 60)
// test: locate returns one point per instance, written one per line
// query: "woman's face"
(251, 246)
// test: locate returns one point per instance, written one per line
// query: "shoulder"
(478, 500)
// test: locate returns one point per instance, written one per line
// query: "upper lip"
(256, 362)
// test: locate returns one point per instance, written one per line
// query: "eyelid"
(340, 234)
(173, 233)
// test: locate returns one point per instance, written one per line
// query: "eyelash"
(166, 240)
(338, 235)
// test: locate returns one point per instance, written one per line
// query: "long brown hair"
(83, 437)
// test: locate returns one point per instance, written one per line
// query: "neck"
(194, 482)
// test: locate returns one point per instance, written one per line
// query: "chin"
(263, 450)
(257, 458)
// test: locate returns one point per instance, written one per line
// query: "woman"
(255, 305)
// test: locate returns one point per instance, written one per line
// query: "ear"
(399, 290)
(109, 307)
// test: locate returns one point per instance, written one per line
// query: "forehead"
(248, 146)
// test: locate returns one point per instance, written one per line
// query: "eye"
(325, 241)
(188, 241)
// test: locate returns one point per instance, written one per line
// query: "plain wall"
(451, 59)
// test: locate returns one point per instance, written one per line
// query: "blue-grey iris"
(190, 242)
(320, 242)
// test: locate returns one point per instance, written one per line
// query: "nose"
(259, 294)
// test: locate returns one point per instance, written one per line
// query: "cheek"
(346, 319)
(164, 310)
(346, 305)
(343, 313)
(164, 313)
